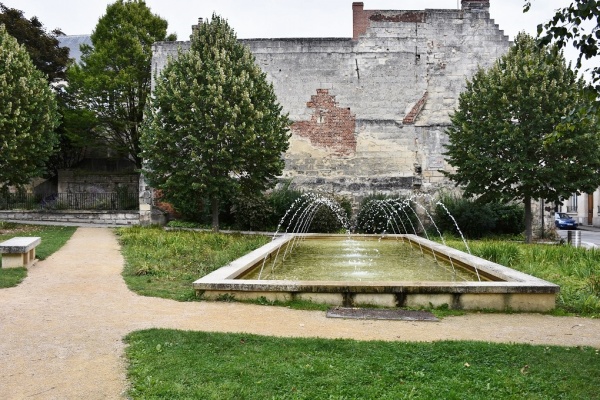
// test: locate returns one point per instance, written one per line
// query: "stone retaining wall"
(117, 218)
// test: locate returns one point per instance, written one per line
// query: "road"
(589, 238)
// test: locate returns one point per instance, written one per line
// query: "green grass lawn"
(167, 364)
(165, 263)
(53, 238)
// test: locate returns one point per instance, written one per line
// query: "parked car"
(564, 221)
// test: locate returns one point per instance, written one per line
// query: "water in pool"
(357, 260)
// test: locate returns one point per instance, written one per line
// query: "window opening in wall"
(572, 206)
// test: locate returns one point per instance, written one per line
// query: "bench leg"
(17, 260)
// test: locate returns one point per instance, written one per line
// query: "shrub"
(476, 219)
(326, 220)
(380, 213)
(253, 213)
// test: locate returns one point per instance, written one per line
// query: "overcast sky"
(273, 18)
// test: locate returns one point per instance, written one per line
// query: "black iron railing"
(70, 201)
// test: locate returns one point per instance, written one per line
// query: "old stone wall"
(83, 181)
(369, 113)
(117, 218)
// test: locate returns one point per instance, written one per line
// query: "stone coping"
(501, 288)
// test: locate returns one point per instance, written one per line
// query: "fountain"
(457, 279)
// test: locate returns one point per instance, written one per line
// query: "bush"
(263, 212)
(476, 219)
(326, 220)
(380, 213)
(253, 213)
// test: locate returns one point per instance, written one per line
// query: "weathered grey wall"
(370, 114)
(117, 218)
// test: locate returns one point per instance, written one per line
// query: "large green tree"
(578, 24)
(214, 128)
(113, 80)
(47, 56)
(509, 137)
(28, 115)
(43, 47)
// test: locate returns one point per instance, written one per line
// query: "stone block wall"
(369, 113)
(81, 181)
(116, 218)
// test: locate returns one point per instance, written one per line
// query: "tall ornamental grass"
(575, 270)
(165, 263)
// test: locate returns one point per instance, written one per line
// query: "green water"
(357, 260)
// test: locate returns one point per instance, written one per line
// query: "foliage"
(380, 213)
(575, 270)
(113, 81)
(53, 238)
(509, 139)
(165, 263)
(263, 212)
(476, 218)
(52, 60)
(326, 220)
(571, 24)
(28, 115)
(214, 129)
(192, 365)
(43, 47)
(253, 212)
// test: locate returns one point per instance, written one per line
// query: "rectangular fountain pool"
(456, 283)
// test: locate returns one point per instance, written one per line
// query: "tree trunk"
(215, 213)
(528, 220)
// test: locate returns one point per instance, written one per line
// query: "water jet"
(467, 282)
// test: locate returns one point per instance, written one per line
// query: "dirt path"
(61, 330)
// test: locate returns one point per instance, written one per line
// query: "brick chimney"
(360, 19)
(476, 5)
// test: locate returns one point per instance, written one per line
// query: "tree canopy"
(43, 47)
(578, 23)
(214, 128)
(510, 138)
(28, 115)
(113, 80)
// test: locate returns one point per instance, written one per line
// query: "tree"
(510, 139)
(43, 47)
(47, 56)
(580, 23)
(214, 128)
(113, 81)
(28, 115)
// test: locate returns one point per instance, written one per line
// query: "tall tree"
(43, 47)
(214, 127)
(51, 59)
(578, 23)
(113, 80)
(509, 137)
(28, 115)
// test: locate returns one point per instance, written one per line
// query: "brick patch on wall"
(406, 16)
(330, 126)
(414, 112)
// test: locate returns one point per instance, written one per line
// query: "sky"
(275, 18)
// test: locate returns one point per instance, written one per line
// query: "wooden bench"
(19, 251)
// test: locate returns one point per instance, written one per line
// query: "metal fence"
(70, 201)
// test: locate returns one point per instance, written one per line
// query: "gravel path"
(61, 330)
